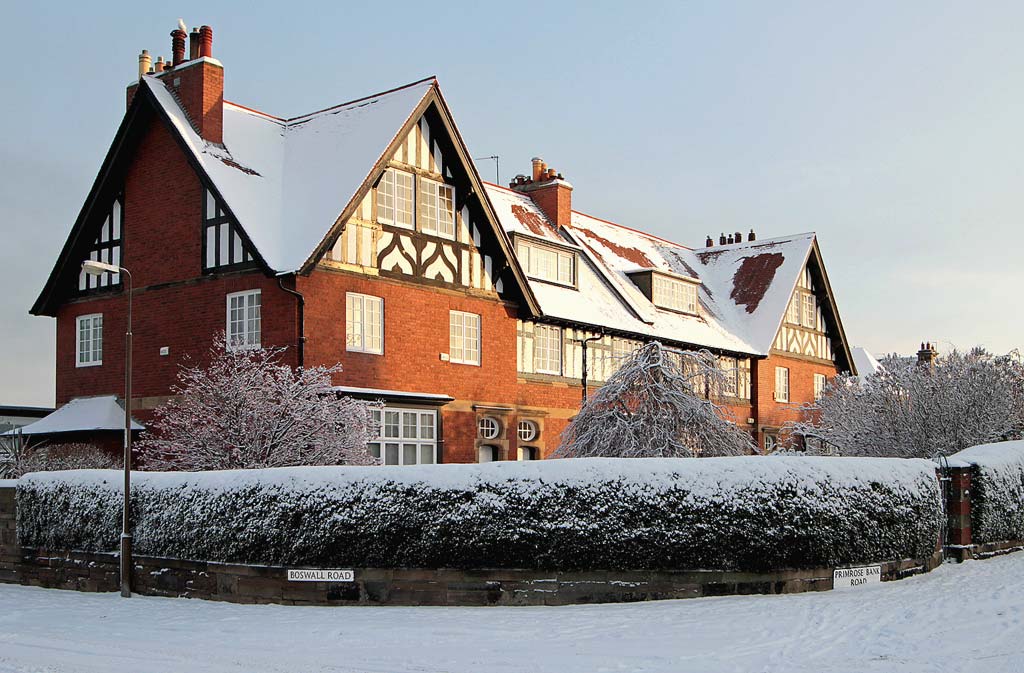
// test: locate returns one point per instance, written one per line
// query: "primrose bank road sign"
(848, 578)
(312, 575)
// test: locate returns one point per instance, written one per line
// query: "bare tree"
(248, 410)
(656, 405)
(919, 410)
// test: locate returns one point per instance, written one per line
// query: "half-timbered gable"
(805, 330)
(422, 220)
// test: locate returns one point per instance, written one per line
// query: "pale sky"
(893, 130)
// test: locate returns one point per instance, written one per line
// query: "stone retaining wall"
(153, 576)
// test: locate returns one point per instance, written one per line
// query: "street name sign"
(848, 578)
(315, 575)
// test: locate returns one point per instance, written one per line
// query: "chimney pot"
(538, 168)
(709, 243)
(730, 239)
(721, 239)
(751, 236)
(178, 45)
(159, 65)
(193, 44)
(738, 236)
(145, 63)
(205, 42)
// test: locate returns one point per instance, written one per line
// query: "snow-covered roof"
(744, 287)
(383, 393)
(864, 361)
(288, 180)
(79, 415)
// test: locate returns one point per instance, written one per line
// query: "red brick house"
(363, 234)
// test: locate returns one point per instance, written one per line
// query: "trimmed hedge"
(744, 514)
(997, 490)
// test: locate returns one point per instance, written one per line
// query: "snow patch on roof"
(83, 414)
(865, 362)
(288, 181)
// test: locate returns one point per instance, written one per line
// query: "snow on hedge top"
(997, 454)
(744, 291)
(86, 413)
(288, 180)
(704, 477)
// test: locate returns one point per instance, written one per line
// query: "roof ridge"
(636, 231)
(432, 78)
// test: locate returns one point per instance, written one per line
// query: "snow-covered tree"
(919, 410)
(656, 405)
(22, 457)
(246, 409)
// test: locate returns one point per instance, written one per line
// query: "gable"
(421, 220)
(810, 327)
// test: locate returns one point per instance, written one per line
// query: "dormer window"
(673, 294)
(667, 291)
(547, 263)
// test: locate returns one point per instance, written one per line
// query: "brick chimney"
(927, 355)
(198, 82)
(549, 191)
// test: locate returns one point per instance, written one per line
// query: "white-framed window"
(820, 381)
(527, 453)
(730, 375)
(810, 311)
(782, 384)
(527, 431)
(794, 310)
(437, 208)
(464, 337)
(674, 294)
(487, 454)
(547, 349)
(89, 346)
(364, 323)
(406, 436)
(243, 320)
(395, 198)
(488, 427)
(771, 440)
(547, 263)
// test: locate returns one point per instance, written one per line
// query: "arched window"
(527, 431)
(488, 427)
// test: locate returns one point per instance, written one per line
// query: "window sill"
(82, 365)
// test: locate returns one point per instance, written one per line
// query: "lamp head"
(95, 268)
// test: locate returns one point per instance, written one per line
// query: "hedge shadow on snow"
(746, 513)
(997, 490)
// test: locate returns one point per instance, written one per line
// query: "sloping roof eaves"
(81, 415)
(287, 182)
(44, 303)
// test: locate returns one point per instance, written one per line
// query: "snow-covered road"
(963, 618)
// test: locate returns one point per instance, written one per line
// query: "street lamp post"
(95, 268)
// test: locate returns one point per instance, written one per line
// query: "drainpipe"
(302, 319)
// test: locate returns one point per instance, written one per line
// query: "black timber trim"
(433, 98)
(107, 183)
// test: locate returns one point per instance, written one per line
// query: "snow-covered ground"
(963, 618)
